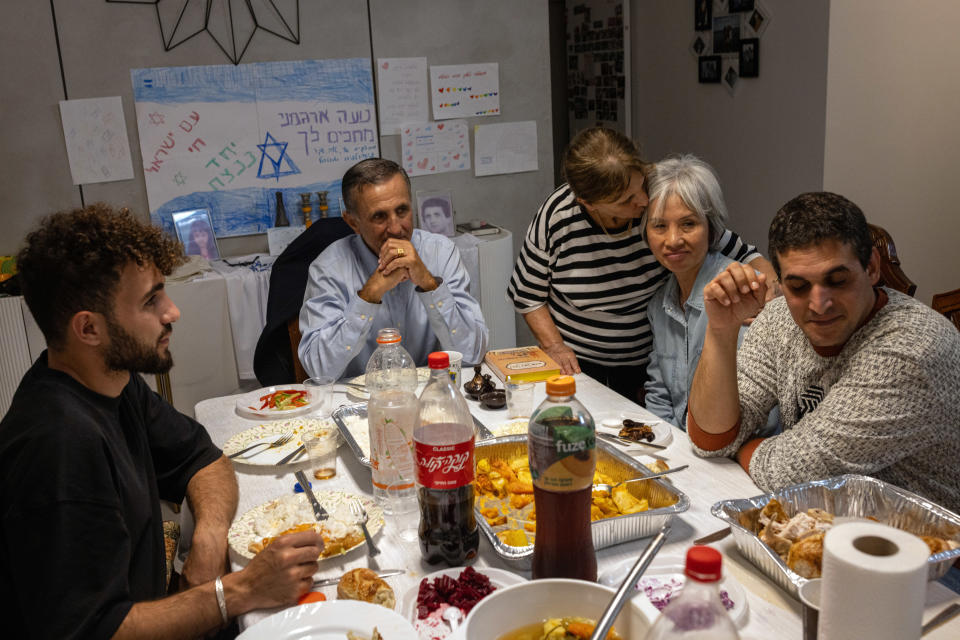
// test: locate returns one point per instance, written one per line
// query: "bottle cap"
(388, 336)
(561, 386)
(703, 564)
(438, 360)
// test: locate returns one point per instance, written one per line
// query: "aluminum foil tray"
(351, 419)
(852, 496)
(606, 532)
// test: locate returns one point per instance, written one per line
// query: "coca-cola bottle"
(443, 442)
(561, 447)
(697, 612)
(391, 378)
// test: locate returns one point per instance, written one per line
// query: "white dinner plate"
(264, 519)
(362, 395)
(331, 621)
(248, 405)
(664, 579)
(267, 433)
(612, 422)
(437, 629)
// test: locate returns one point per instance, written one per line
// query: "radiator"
(14, 352)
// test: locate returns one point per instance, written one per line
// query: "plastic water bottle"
(562, 449)
(697, 612)
(391, 379)
(444, 442)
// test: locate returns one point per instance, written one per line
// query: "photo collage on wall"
(726, 40)
(598, 57)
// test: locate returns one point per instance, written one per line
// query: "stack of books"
(485, 229)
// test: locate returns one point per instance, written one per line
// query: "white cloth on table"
(248, 284)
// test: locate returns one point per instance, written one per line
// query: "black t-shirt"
(81, 476)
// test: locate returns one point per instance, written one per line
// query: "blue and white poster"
(227, 138)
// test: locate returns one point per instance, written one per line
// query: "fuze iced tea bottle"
(561, 445)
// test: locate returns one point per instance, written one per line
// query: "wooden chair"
(891, 275)
(949, 305)
(293, 330)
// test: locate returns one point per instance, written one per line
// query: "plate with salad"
(281, 401)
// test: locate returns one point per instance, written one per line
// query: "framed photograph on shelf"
(195, 231)
(708, 69)
(750, 58)
(436, 212)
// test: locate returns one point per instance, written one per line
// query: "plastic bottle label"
(562, 456)
(446, 466)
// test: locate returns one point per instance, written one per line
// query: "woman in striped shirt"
(584, 275)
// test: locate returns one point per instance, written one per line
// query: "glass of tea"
(321, 446)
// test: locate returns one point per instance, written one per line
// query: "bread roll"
(363, 584)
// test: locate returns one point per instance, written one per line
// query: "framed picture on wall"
(750, 58)
(708, 68)
(195, 231)
(726, 34)
(740, 5)
(702, 15)
(436, 212)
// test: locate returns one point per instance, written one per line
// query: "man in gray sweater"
(867, 379)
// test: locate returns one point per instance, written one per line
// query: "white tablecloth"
(772, 612)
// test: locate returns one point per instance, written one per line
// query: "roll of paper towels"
(874, 583)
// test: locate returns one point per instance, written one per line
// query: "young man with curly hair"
(87, 451)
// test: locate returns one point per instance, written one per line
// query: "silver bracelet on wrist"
(221, 600)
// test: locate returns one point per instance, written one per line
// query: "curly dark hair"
(72, 262)
(811, 218)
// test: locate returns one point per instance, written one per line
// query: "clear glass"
(391, 366)
(321, 446)
(320, 395)
(519, 399)
(697, 612)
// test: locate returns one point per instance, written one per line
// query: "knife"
(332, 581)
(293, 454)
(318, 511)
(619, 440)
(482, 431)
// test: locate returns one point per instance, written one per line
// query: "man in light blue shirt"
(386, 275)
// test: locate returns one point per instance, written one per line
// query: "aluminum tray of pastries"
(663, 498)
(849, 496)
(351, 419)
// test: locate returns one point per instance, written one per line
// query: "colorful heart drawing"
(440, 90)
(409, 158)
(386, 64)
(422, 164)
(433, 168)
(440, 126)
(406, 130)
(456, 157)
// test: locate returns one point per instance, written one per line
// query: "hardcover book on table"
(529, 364)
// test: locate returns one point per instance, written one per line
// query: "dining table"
(771, 612)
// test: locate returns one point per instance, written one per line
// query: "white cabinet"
(489, 261)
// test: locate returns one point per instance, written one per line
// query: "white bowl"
(527, 603)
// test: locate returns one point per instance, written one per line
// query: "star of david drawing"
(156, 118)
(276, 154)
(179, 178)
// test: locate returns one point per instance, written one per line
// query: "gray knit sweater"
(887, 406)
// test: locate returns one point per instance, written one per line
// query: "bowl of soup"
(526, 611)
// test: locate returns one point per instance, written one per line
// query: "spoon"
(453, 616)
(626, 587)
(609, 487)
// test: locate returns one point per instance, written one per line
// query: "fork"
(279, 442)
(658, 474)
(361, 515)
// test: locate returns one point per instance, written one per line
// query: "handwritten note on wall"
(402, 87)
(435, 147)
(508, 147)
(96, 137)
(226, 137)
(465, 90)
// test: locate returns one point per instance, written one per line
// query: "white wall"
(766, 142)
(893, 128)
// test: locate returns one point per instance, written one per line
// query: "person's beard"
(126, 353)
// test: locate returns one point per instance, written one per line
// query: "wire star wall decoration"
(231, 23)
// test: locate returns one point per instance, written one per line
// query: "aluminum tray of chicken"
(782, 532)
(505, 510)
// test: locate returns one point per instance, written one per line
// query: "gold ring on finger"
(400, 252)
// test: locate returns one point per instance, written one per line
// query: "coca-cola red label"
(445, 466)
